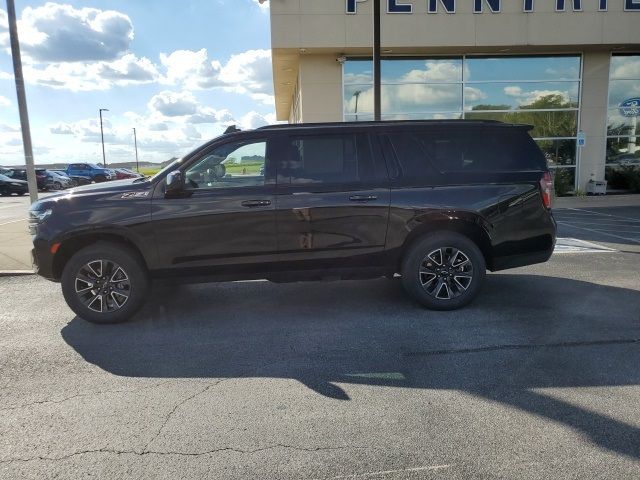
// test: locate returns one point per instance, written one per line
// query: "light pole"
(135, 142)
(357, 95)
(22, 102)
(104, 157)
(377, 95)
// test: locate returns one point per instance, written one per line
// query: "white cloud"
(191, 69)
(525, 97)
(625, 67)
(250, 72)
(61, 33)
(434, 72)
(4, 128)
(174, 104)
(4, 101)
(255, 120)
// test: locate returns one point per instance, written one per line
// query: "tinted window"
(413, 166)
(237, 164)
(421, 155)
(482, 150)
(326, 159)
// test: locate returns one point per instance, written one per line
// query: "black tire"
(57, 186)
(111, 307)
(100, 178)
(455, 282)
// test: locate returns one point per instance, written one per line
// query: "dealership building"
(570, 68)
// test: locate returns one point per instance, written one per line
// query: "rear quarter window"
(483, 150)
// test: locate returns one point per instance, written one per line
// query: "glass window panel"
(522, 68)
(623, 151)
(422, 71)
(512, 96)
(564, 180)
(625, 67)
(358, 99)
(366, 117)
(558, 152)
(358, 71)
(423, 116)
(331, 159)
(622, 90)
(420, 98)
(230, 165)
(618, 124)
(545, 124)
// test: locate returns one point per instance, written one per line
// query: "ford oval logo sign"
(630, 108)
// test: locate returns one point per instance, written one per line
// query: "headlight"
(36, 217)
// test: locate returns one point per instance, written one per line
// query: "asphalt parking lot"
(537, 379)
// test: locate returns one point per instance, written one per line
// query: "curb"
(16, 273)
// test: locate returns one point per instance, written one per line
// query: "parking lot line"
(13, 221)
(620, 237)
(629, 219)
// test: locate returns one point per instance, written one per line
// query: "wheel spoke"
(91, 305)
(436, 256)
(92, 266)
(463, 281)
(442, 286)
(119, 298)
(83, 285)
(119, 275)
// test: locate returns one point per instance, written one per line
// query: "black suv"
(438, 202)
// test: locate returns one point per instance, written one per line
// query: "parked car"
(17, 173)
(44, 179)
(10, 185)
(78, 180)
(438, 202)
(94, 172)
(124, 173)
(61, 181)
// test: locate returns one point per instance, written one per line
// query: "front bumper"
(42, 260)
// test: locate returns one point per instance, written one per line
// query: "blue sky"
(180, 75)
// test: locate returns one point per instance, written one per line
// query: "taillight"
(546, 189)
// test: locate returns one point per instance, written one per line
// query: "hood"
(113, 186)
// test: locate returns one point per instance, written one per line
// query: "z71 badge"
(134, 195)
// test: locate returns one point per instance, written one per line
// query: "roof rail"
(383, 122)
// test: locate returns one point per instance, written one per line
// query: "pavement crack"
(176, 407)
(179, 454)
(80, 395)
(538, 346)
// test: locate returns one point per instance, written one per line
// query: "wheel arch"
(72, 244)
(469, 227)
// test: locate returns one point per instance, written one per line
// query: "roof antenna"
(231, 129)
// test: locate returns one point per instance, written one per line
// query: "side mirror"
(175, 182)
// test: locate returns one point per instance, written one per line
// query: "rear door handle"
(363, 198)
(256, 203)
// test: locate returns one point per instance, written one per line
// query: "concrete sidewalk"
(15, 247)
(15, 242)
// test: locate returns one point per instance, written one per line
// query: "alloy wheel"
(103, 286)
(446, 273)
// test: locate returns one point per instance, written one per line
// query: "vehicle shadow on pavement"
(525, 336)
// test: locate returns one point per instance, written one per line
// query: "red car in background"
(124, 173)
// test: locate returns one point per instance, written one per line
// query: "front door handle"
(363, 198)
(256, 203)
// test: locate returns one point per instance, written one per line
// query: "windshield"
(4, 178)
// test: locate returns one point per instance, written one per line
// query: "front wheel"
(444, 271)
(100, 178)
(105, 283)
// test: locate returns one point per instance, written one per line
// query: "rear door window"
(328, 159)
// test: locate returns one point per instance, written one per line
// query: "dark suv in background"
(438, 202)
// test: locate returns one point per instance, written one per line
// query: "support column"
(593, 117)
(321, 88)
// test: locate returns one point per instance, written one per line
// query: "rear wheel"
(105, 283)
(444, 271)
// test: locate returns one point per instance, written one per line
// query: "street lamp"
(104, 157)
(377, 78)
(357, 95)
(135, 142)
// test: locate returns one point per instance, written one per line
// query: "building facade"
(570, 68)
